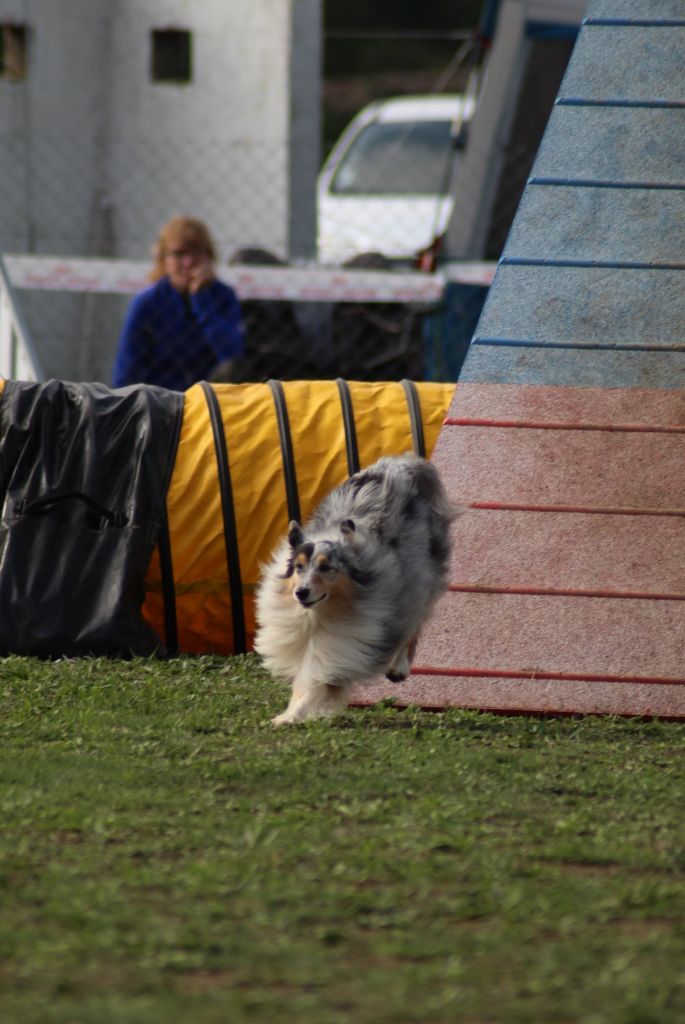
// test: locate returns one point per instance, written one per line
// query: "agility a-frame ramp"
(566, 435)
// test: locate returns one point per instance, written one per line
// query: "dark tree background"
(378, 48)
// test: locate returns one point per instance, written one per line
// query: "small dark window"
(13, 61)
(171, 56)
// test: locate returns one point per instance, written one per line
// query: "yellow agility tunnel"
(250, 458)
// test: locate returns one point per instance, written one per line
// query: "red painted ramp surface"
(567, 584)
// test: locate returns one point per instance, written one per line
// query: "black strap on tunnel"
(415, 418)
(350, 430)
(166, 563)
(168, 587)
(289, 474)
(235, 581)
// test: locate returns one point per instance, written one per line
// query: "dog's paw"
(294, 715)
(285, 718)
(399, 668)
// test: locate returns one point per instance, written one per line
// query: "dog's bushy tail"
(432, 490)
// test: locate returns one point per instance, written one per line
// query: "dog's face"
(319, 570)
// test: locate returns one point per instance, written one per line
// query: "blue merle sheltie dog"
(344, 597)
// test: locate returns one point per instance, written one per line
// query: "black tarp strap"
(415, 420)
(235, 581)
(168, 587)
(289, 474)
(166, 563)
(350, 430)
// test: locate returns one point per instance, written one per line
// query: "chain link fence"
(244, 203)
(250, 173)
(287, 336)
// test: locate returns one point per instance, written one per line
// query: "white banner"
(299, 284)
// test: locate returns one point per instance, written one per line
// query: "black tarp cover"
(84, 471)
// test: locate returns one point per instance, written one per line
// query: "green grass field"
(166, 855)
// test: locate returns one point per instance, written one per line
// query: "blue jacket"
(175, 340)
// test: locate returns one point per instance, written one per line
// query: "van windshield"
(395, 158)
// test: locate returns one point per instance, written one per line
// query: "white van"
(385, 186)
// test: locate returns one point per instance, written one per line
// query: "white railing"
(306, 284)
(18, 359)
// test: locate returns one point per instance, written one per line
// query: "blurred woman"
(187, 322)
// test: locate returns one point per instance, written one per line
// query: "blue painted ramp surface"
(566, 436)
(596, 255)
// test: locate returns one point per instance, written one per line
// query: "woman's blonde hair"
(181, 232)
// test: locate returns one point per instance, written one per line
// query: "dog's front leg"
(312, 700)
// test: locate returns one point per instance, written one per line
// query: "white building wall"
(94, 156)
(48, 126)
(225, 147)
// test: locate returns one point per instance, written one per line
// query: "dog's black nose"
(302, 593)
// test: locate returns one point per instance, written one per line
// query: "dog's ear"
(347, 528)
(295, 534)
